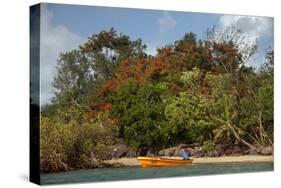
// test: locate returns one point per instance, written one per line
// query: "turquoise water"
(130, 173)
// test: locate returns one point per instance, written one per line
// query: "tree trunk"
(239, 139)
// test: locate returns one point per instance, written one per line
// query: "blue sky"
(64, 27)
(136, 23)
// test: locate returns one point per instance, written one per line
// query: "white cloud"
(54, 40)
(253, 26)
(151, 48)
(166, 23)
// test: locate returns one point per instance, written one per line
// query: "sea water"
(131, 173)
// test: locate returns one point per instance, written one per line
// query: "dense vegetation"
(110, 91)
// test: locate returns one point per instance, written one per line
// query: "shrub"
(208, 146)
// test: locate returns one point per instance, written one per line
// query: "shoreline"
(131, 162)
(202, 160)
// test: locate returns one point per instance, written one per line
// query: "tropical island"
(114, 102)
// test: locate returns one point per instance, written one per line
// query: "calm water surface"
(130, 173)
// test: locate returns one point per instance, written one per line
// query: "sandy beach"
(225, 159)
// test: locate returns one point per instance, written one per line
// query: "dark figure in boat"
(185, 154)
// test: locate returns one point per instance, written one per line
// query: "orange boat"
(161, 161)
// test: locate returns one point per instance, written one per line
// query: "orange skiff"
(159, 161)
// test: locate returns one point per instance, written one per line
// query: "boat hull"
(159, 162)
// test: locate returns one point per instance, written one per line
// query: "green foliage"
(188, 118)
(188, 113)
(140, 108)
(257, 109)
(75, 145)
(208, 146)
(192, 78)
(225, 122)
(74, 82)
